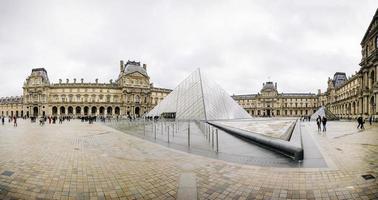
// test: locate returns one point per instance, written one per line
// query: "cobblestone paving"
(83, 161)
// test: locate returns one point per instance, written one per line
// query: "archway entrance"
(94, 110)
(62, 110)
(86, 110)
(268, 113)
(117, 110)
(102, 110)
(70, 110)
(109, 111)
(137, 111)
(78, 110)
(54, 110)
(35, 111)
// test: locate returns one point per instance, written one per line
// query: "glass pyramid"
(322, 111)
(199, 98)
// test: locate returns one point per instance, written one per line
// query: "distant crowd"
(55, 119)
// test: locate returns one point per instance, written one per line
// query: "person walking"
(2, 120)
(362, 123)
(324, 121)
(15, 121)
(318, 122)
(359, 121)
(370, 119)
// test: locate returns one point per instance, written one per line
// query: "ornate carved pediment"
(135, 74)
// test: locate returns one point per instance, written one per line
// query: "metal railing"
(189, 133)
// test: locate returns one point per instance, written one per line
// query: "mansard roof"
(370, 28)
(12, 99)
(298, 94)
(268, 86)
(244, 96)
(39, 69)
(132, 66)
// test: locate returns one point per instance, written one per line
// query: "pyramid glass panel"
(198, 98)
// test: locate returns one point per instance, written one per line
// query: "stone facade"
(342, 98)
(345, 97)
(369, 69)
(358, 94)
(131, 94)
(271, 103)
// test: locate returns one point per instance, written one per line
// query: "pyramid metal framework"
(199, 98)
(322, 111)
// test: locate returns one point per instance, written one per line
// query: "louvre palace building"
(269, 102)
(346, 97)
(131, 94)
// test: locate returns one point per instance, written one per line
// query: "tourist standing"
(2, 120)
(370, 119)
(318, 122)
(324, 121)
(15, 121)
(41, 121)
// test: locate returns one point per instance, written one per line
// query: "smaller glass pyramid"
(199, 98)
(322, 111)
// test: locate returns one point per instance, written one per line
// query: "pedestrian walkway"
(76, 160)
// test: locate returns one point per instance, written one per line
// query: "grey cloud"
(238, 43)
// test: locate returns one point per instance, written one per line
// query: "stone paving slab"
(80, 161)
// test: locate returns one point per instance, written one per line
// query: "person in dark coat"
(15, 121)
(318, 122)
(361, 122)
(324, 121)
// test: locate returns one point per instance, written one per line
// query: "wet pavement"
(81, 161)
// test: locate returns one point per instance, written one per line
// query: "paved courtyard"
(77, 160)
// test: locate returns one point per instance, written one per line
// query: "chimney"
(145, 67)
(275, 85)
(319, 92)
(121, 64)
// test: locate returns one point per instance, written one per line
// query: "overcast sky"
(240, 44)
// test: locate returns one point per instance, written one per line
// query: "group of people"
(361, 122)
(305, 118)
(10, 119)
(321, 121)
(53, 119)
